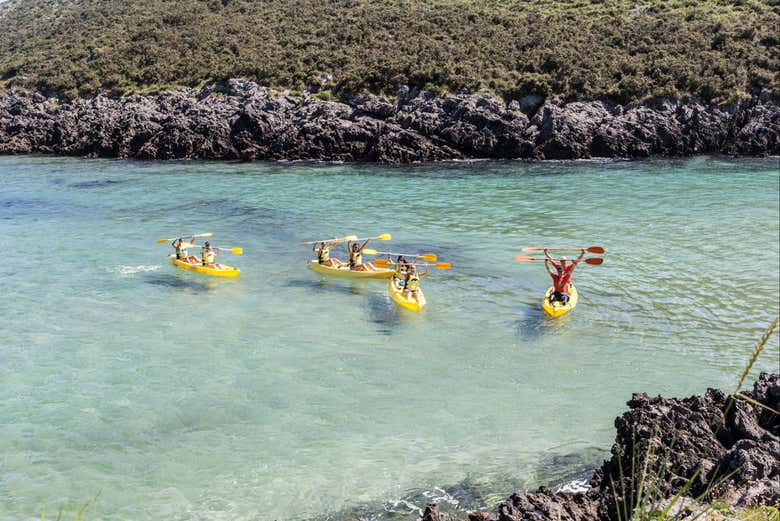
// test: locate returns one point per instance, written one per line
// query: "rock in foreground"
(735, 448)
(243, 121)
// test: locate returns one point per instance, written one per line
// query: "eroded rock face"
(240, 120)
(734, 445)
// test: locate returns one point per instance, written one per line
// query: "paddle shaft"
(209, 234)
(237, 251)
(589, 249)
(331, 240)
(593, 261)
(438, 265)
(426, 256)
(380, 237)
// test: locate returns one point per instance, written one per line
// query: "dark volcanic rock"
(240, 120)
(545, 504)
(432, 513)
(734, 445)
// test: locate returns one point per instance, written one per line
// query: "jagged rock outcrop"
(662, 442)
(241, 120)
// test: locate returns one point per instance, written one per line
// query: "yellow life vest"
(207, 256)
(181, 253)
(323, 255)
(413, 283)
(355, 258)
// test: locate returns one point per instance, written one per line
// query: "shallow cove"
(284, 395)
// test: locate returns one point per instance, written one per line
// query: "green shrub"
(624, 49)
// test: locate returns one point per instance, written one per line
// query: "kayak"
(380, 273)
(556, 309)
(226, 271)
(399, 298)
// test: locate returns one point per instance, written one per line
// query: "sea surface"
(284, 395)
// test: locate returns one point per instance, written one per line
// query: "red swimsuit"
(562, 282)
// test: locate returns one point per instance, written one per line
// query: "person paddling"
(412, 283)
(401, 268)
(181, 250)
(561, 275)
(209, 257)
(356, 257)
(323, 255)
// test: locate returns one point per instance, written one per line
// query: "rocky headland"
(714, 447)
(243, 121)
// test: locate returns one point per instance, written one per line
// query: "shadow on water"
(380, 309)
(168, 280)
(15, 208)
(345, 287)
(384, 313)
(98, 183)
(22, 204)
(554, 470)
(533, 323)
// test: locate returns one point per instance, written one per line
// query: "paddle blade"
(530, 249)
(160, 241)
(443, 265)
(524, 258)
(349, 238)
(385, 237)
(595, 249)
(430, 257)
(383, 263)
(594, 261)
(237, 251)
(369, 251)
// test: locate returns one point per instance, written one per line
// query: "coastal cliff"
(243, 121)
(712, 447)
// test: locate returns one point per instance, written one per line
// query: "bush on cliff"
(578, 49)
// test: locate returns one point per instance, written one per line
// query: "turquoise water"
(285, 395)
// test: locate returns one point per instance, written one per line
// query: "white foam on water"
(439, 495)
(131, 270)
(436, 495)
(575, 486)
(402, 506)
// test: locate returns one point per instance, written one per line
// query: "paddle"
(595, 261)
(591, 249)
(438, 265)
(209, 234)
(381, 237)
(342, 239)
(237, 251)
(431, 257)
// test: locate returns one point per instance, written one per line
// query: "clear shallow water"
(284, 395)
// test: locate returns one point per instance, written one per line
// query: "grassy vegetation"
(579, 49)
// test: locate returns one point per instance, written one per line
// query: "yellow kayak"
(556, 309)
(226, 271)
(344, 271)
(399, 298)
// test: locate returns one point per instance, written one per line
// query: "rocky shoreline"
(243, 121)
(735, 449)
